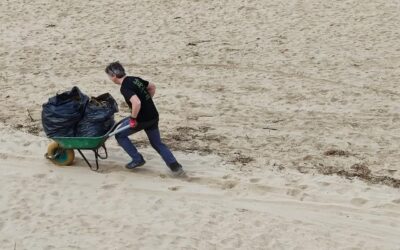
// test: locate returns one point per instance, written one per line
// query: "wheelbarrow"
(61, 150)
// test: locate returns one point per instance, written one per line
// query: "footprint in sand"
(304, 196)
(293, 192)
(323, 183)
(397, 201)
(242, 210)
(258, 223)
(226, 176)
(303, 187)
(254, 180)
(3, 156)
(109, 186)
(175, 188)
(358, 201)
(228, 184)
(262, 188)
(40, 176)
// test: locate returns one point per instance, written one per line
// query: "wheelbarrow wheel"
(60, 156)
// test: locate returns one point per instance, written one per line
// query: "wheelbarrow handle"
(119, 130)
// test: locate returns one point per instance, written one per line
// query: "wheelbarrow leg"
(90, 166)
(96, 155)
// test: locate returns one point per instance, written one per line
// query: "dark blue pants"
(153, 133)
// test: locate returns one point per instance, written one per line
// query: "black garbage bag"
(98, 117)
(62, 112)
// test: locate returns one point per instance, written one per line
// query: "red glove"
(132, 122)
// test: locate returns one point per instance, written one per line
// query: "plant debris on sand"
(336, 152)
(362, 172)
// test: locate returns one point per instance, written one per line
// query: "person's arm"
(151, 88)
(136, 105)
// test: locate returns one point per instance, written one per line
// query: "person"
(138, 94)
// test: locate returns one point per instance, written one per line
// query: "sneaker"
(179, 173)
(134, 164)
(177, 169)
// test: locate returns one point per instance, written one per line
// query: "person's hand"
(132, 122)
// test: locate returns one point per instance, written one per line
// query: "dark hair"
(115, 68)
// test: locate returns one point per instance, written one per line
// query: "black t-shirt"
(137, 86)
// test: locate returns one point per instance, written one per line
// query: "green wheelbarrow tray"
(80, 142)
(85, 143)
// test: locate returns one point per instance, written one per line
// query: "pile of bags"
(72, 113)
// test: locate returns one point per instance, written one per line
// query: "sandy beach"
(284, 114)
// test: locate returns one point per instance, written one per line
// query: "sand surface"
(285, 115)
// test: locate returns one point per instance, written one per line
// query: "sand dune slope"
(275, 108)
